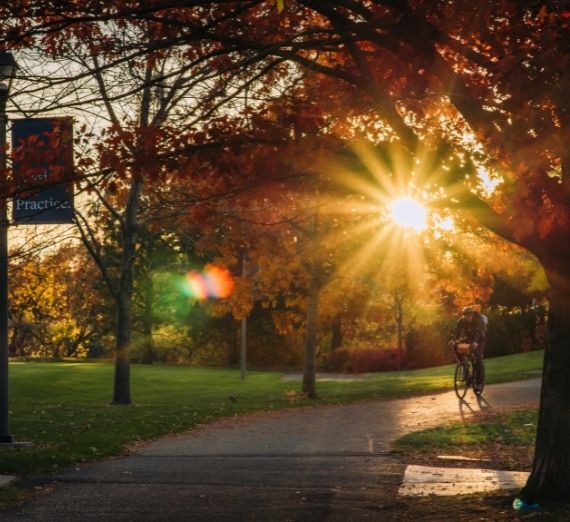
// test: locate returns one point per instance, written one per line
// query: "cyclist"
(471, 328)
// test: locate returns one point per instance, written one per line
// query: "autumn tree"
(434, 75)
(57, 308)
(462, 88)
(143, 105)
(473, 68)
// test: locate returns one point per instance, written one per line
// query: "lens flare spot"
(214, 282)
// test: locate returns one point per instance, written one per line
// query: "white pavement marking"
(460, 457)
(424, 480)
(6, 479)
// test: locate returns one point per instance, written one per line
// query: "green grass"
(514, 428)
(413, 382)
(11, 495)
(63, 408)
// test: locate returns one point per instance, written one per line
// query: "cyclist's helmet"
(467, 310)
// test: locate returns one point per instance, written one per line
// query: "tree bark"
(309, 377)
(122, 388)
(550, 477)
(400, 339)
(336, 341)
(313, 298)
(147, 354)
(16, 346)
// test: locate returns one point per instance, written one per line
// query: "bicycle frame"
(465, 374)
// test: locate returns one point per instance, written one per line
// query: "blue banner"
(42, 169)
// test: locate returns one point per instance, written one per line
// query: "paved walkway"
(361, 429)
(329, 463)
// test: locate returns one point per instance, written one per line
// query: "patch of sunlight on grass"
(514, 428)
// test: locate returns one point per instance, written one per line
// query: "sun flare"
(408, 213)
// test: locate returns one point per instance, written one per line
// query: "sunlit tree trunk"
(400, 340)
(313, 298)
(550, 477)
(309, 376)
(397, 304)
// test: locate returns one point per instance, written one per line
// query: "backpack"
(485, 322)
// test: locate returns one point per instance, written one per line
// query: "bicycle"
(466, 374)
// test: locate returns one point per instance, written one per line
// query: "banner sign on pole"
(42, 169)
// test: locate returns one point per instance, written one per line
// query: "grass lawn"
(503, 440)
(63, 408)
(510, 429)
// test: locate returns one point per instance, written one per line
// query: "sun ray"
(360, 260)
(375, 165)
(392, 228)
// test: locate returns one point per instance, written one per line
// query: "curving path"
(320, 464)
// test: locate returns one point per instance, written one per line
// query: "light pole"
(7, 70)
(243, 333)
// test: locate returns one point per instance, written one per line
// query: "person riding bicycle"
(471, 328)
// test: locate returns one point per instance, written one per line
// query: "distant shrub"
(171, 345)
(363, 360)
(427, 345)
(508, 332)
(515, 331)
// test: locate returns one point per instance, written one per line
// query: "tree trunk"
(400, 340)
(16, 346)
(243, 348)
(398, 310)
(147, 354)
(550, 477)
(122, 389)
(309, 378)
(336, 341)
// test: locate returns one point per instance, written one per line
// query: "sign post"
(42, 168)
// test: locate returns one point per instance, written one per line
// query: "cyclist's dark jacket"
(472, 331)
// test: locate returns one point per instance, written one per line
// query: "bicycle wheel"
(461, 380)
(479, 379)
